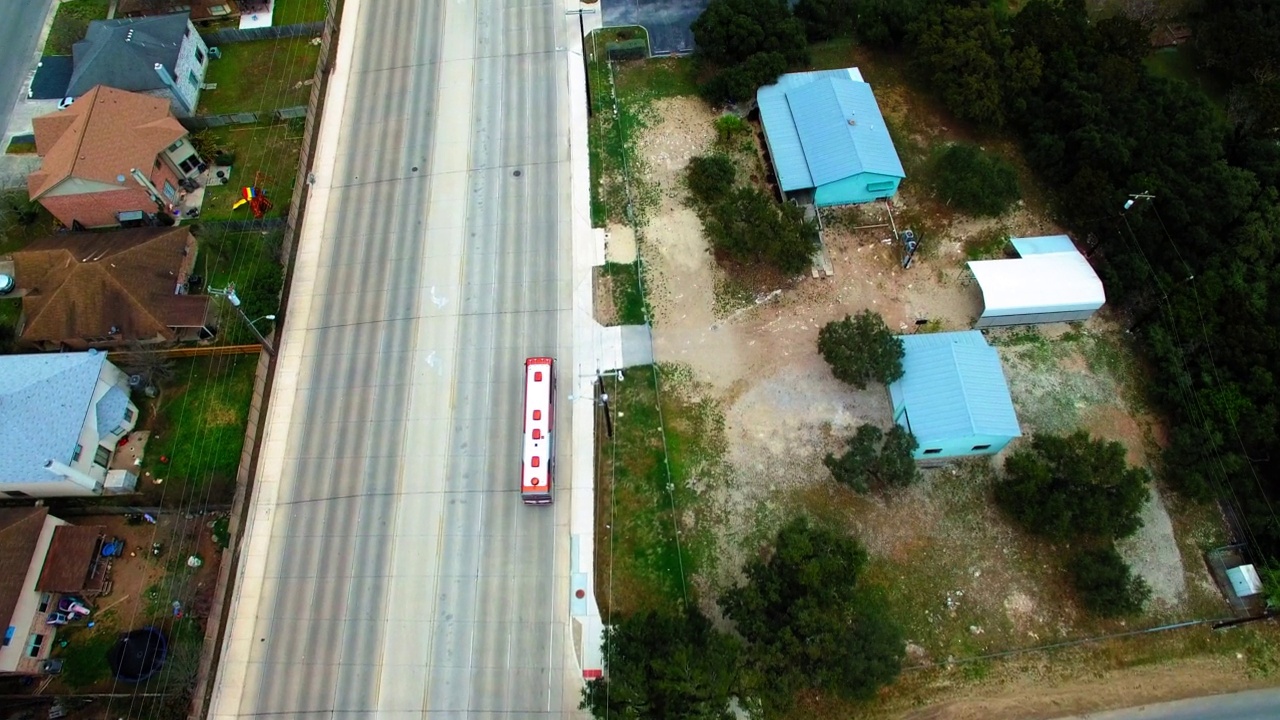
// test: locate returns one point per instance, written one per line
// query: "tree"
(1073, 487)
(748, 43)
(873, 456)
(710, 178)
(825, 19)
(975, 182)
(748, 226)
(660, 665)
(972, 62)
(1106, 585)
(809, 624)
(729, 32)
(860, 349)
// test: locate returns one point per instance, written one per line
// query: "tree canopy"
(808, 622)
(748, 43)
(1073, 487)
(876, 457)
(710, 178)
(663, 665)
(974, 181)
(861, 349)
(750, 227)
(1106, 585)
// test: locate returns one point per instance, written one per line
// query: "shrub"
(710, 178)
(1106, 585)
(873, 456)
(860, 349)
(975, 182)
(1073, 487)
(730, 127)
(749, 226)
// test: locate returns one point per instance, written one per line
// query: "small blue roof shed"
(826, 136)
(953, 396)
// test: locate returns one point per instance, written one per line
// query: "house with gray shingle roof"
(161, 55)
(827, 138)
(64, 415)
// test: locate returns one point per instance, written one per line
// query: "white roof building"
(1049, 281)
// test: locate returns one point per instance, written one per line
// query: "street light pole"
(235, 303)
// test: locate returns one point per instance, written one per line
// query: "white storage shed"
(1049, 281)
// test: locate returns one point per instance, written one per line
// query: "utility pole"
(586, 67)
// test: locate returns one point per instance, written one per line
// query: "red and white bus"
(538, 459)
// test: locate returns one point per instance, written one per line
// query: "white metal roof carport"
(1050, 281)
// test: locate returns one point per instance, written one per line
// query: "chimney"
(167, 78)
(74, 475)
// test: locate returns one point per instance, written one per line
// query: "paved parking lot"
(667, 21)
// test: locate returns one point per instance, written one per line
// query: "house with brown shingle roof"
(40, 555)
(110, 154)
(105, 290)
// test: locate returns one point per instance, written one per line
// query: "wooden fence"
(274, 32)
(197, 123)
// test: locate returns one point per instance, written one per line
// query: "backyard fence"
(247, 225)
(197, 123)
(245, 478)
(274, 32)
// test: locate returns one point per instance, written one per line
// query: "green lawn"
(22, 221)
(832, 54)
(71, 22)
(643, 494)
(290, 12)
(260, 75)
(243, 258)
(269, 148)
(626, 292)
(199, 425)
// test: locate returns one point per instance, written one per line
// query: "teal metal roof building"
(953, 396)
(827, 138)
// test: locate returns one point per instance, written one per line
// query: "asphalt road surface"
(19, 32)
(1253, 705)
(667, 21)
(404, 578)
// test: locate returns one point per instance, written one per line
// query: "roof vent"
(852, 121)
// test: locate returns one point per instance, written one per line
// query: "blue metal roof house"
(953, 396)
(827, 138)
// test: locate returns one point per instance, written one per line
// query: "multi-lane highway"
(389, 568)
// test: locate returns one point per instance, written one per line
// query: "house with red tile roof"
(110, 290)
(111, 157)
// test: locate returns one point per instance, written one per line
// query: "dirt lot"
(968, 582)
(143, 589)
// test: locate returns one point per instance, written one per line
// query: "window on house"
(16, 494)
(882, 185)
(975, 448)
(8, 635)
(157, 165)
(129, 414)
(199, 55)
(101, 456)
(169, 191)
(192, 79)
(34, 643)
(45, 601)
(933, 451)
(191, 163)
(175, 146)
(75, 454)
(118, 431)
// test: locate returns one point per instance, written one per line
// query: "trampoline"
(138, 655)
